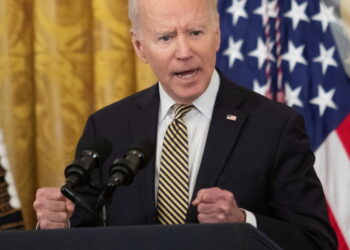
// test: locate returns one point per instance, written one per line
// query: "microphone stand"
(105, 198)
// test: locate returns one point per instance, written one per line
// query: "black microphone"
(78, 171)
(123, 170)
(92, 157)
(137, 156)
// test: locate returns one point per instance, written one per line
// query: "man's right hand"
(53, 210)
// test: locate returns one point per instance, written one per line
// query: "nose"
(183, 49)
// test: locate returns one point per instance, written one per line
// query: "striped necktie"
(172, 203)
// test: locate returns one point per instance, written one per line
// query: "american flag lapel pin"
(231, 117)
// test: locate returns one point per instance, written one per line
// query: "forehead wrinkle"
(168, 20)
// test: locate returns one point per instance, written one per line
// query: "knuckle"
(205, 196)
(201, 193)
(38, 205)
(40, 192)
(201, 217)
(65, 217)
(224, 207)
(220, 217)
(44, 224)
(70, 207)
(230, 195)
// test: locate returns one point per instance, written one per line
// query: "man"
(249, 159)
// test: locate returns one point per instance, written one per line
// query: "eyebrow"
(165, 33)
(201, 26)
(195, 27)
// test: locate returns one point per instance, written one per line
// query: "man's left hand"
(216, 205)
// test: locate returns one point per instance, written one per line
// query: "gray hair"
(134, 15)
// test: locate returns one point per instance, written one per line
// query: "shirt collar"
(204, 103)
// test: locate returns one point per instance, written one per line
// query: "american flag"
(297, 52)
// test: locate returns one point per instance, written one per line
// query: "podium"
(155, 237)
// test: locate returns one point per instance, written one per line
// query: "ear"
(137, 43)
(218, 36)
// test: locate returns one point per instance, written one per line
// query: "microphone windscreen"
(146, 147)
(102, 146)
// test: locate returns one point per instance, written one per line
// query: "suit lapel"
(224, 129)
(143, 125)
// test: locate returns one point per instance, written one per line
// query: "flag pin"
(231, 117)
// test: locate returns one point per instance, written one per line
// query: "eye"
(196, 33)
(165, 38)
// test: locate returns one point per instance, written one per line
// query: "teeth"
(188, 74)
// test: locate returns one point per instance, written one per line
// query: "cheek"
(162, 63)
(161, 68)
(209, 49)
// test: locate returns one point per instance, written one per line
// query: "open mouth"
(187, 74)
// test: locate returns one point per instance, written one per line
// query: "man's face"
(179, 39)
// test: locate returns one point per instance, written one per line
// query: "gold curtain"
(60, 60)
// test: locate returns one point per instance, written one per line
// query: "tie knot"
(181, 110)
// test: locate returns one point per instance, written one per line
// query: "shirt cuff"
(250, 218)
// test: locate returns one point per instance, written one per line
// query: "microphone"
(137, 156)
(92, 157)
(78, 171)
(123, 170)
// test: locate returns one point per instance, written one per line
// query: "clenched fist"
(53, 210)
(215, 205)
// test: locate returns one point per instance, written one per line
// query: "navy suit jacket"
(263, 157)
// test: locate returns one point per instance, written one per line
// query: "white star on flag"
(262, 90)
(267, 10)
(294, 55)
(237, 10)
(325, 16)
(262, 53)
(297, 13)
(292, 96)
(233, 51)
(326, 58)
(324, 100)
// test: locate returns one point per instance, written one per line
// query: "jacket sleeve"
(298, 209)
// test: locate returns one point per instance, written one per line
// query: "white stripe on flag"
(333, 168)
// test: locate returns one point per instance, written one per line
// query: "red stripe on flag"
(341, 241)
(344, 134)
